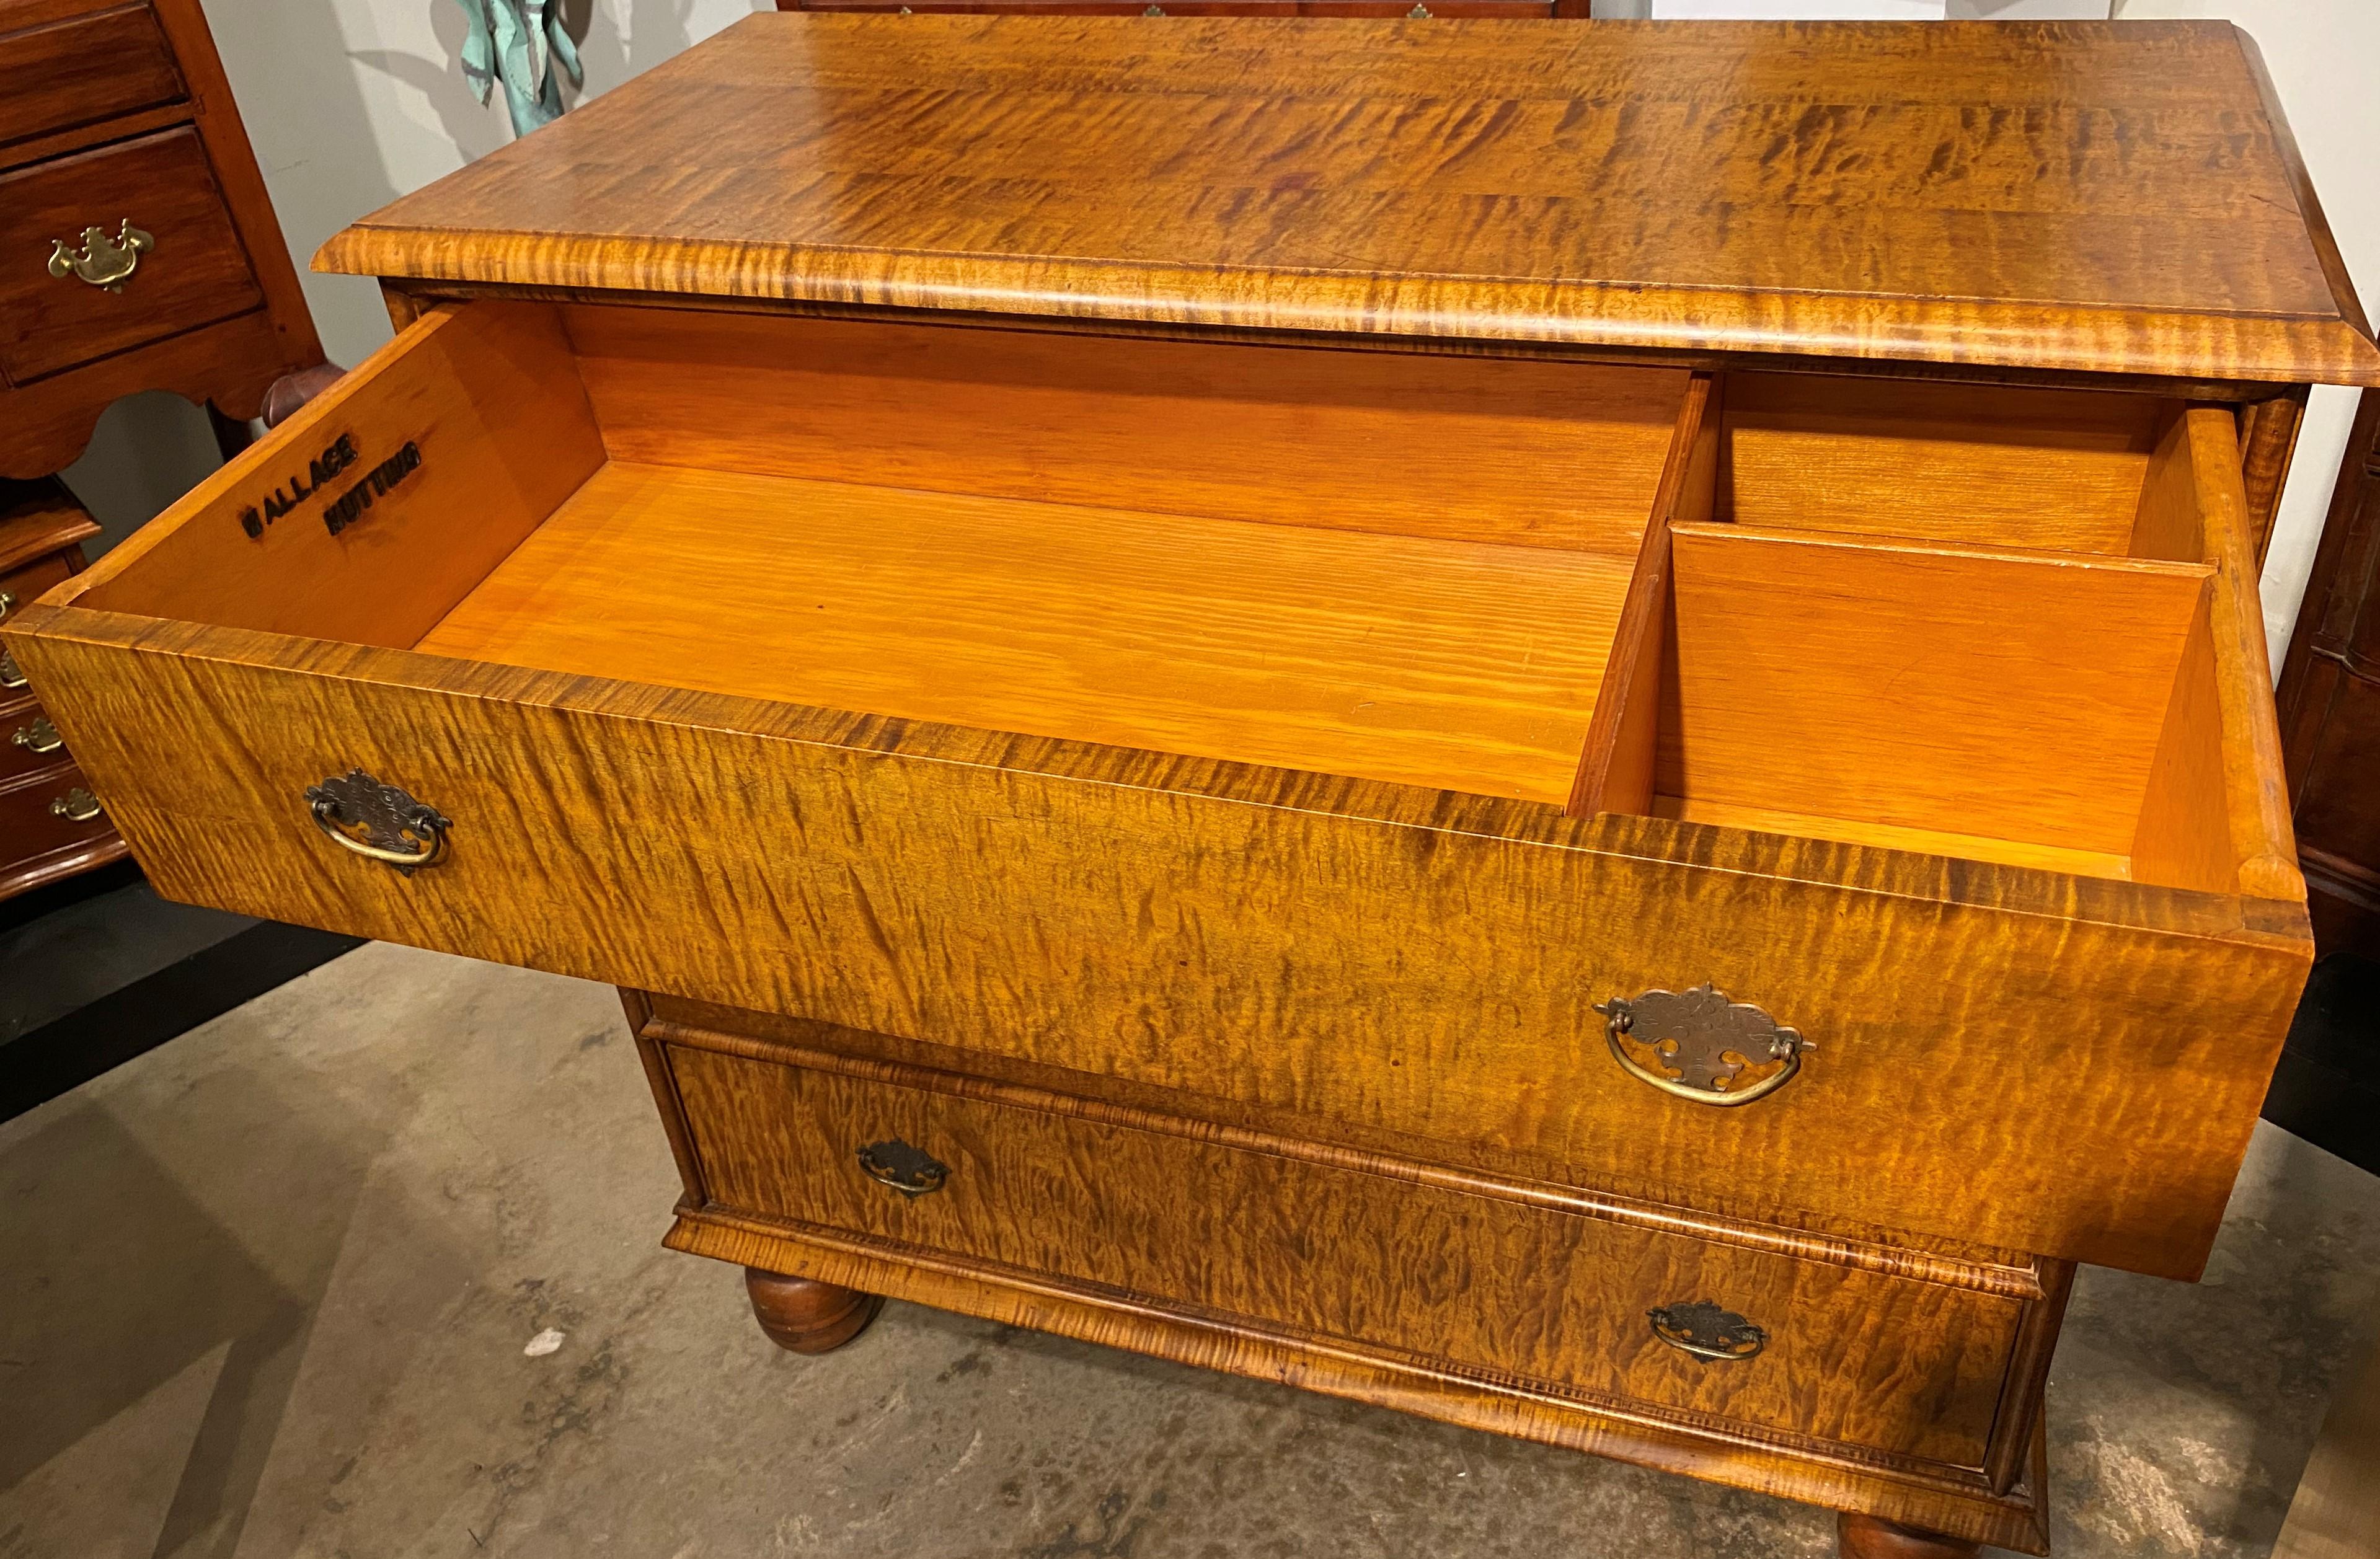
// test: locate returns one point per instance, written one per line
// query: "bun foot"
(1869, 1537)
(805, 1316)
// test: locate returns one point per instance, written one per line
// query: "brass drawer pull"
(1154, 11)
(39, 737)
(77, 806)
(911, 1171)
(11, 679)
(1419, 13)
(103, 262)
(378, 822)
(1707, 1332)
(8, 605)
(1699, 1045)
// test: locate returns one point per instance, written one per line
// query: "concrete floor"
(264, 1291)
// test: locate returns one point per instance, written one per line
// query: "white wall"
(2321, 54)
(351, 102)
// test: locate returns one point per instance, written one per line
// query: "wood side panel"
(1615, 769)
(234, 162)
(486, 398)
(1984, 465)
(1387, 956)
(1457, 664)
(1480, 179)
(2268, 439)
(1484, 1283)
(2255, 786)
(1788, 1467)
(2017, 1432)
(2185, 829)
(1933, 688)
(1546, 455)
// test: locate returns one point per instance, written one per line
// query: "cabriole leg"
(805, 1316)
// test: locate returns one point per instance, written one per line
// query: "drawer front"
(1392, 976)
(193, 271)
(29, 739)
(1850, 1356)
(48, 811)
(60, 74)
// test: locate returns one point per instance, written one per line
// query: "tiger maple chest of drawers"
(1563, 725)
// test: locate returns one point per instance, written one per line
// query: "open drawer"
(1204, 714)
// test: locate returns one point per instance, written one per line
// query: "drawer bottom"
(1856, 1388)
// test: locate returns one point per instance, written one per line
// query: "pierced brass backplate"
(911, 1171)
(378, 822)
(1706, 1331)
(103, 262)
(1699, 1045)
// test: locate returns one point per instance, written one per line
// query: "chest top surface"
(2091, 198)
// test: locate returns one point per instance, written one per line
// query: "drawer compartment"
(1201, 715)
(1335, 1253)
(193, 273)
(2016, 628)
(82, 69)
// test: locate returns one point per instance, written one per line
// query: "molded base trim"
(1955, 1502)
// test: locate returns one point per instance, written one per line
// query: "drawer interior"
(1995, 624)
(2000, 625)
(1385, 566)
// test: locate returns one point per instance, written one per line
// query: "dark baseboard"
(68, 1051)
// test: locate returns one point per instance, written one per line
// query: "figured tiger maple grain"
(1164, 606)
(1863, 192)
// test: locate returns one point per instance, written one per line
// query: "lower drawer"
(188, 271)
(46, 812)
(1845, 1355)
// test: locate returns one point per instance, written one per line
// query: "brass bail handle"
(1710, 1334)
(378, 822)
(103, 262)
(1703, 1046)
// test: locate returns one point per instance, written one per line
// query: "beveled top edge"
(1566, 183)
(1586, 315)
